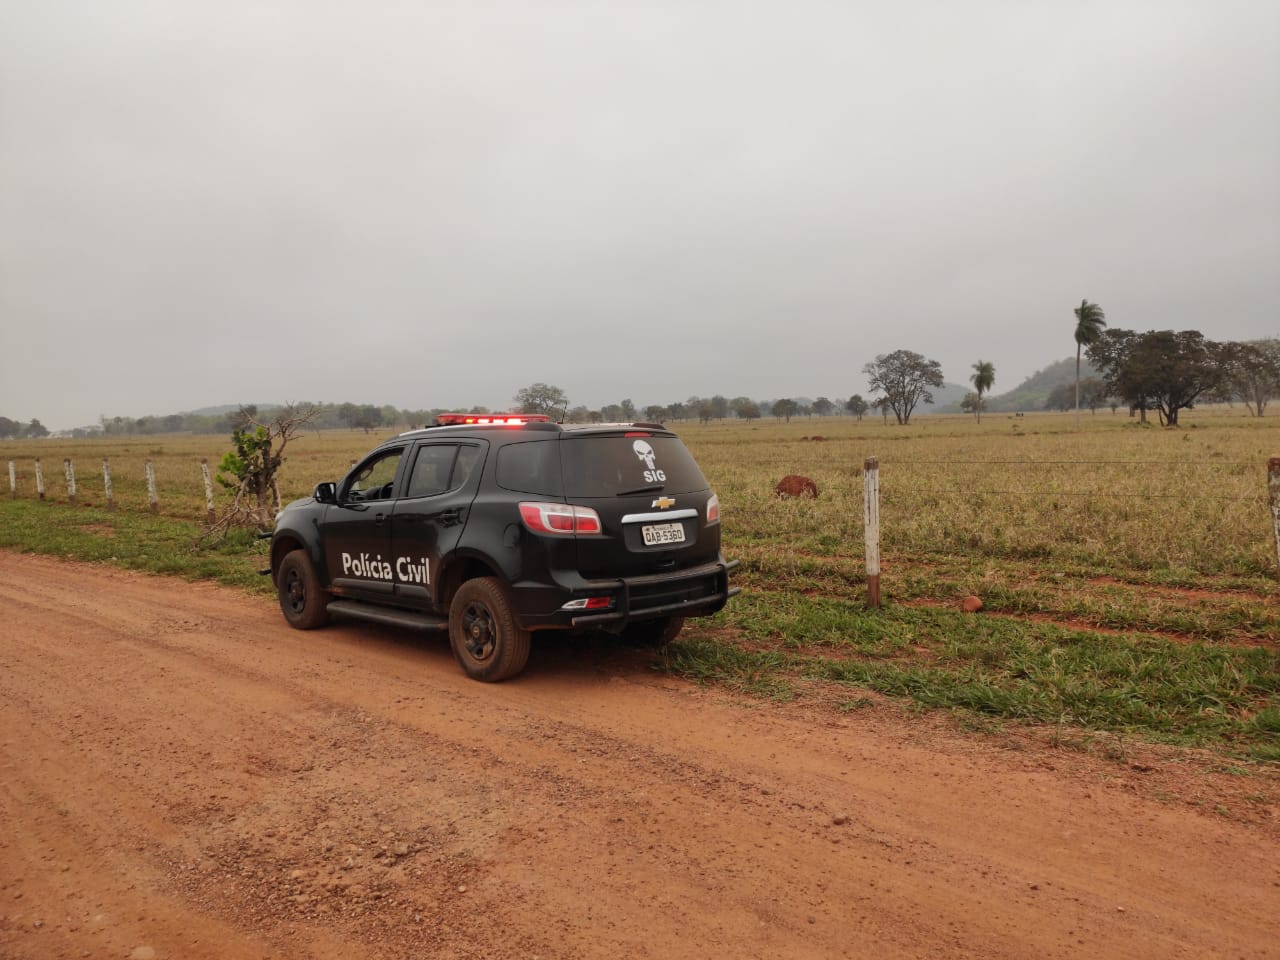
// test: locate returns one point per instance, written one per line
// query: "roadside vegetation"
(1127, 573)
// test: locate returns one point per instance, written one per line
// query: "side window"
(374, 480)
(431, 470)
(468, 458)
(531, 467)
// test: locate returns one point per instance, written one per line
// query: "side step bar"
(395, 618)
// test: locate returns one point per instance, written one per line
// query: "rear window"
(596, 466)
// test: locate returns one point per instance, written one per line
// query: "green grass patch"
(1190, 694)
(134, 541)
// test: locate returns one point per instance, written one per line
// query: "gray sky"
(437, 203)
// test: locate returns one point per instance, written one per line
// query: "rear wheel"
(653, 633)
(302, 601)
(487, 641)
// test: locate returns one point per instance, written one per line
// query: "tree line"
(1162, 370)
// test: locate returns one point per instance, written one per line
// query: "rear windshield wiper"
(654, 488)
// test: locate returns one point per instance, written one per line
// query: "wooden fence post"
(871, 527)
(151, 488)
(13, 480)
(208, 488)
(39, 480)
(1273, 487)
(106, 483)
(69, 469)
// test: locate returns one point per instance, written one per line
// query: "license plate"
(656, 534)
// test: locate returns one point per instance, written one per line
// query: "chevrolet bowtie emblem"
(662, 503)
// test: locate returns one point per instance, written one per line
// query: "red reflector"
(637, 433)
(598, 603)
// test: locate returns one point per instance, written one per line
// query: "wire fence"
(1215, 516)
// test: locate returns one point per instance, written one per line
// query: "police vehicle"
(495, 527)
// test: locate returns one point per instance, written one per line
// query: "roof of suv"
(537, 426)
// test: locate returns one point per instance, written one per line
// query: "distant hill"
(1031, 393)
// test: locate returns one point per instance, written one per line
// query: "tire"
(302, 601)
(487, 642)
(653, 633)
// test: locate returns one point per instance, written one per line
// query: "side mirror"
(326, 492)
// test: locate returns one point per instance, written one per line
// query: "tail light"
(560, 519)
(713, 509)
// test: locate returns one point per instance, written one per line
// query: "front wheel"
(301, 600)
(487, 642)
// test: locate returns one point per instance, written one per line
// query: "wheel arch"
(458, 570)
(286, 542)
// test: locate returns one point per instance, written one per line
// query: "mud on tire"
(487, 641)
(302, 600)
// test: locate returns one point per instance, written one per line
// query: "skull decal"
(645, 452)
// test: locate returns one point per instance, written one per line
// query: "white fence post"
(39, 480)
(151, 488)
(1273, 486)
(69, 469)
(106, 483)
(208, 488)
(871, 527)
(13, 480)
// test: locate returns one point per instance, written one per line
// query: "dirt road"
(183, 776)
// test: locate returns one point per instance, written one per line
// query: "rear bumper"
(692, 592)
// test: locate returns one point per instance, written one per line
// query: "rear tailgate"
(651, 499)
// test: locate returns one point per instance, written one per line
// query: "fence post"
(13, 480)
(69, 469)
(39, 480)
(106, 483)
(871, 527)
(208, 488)
(1273, 487)
(151, 488)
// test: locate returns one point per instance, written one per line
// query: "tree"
(785, 407)
(628, 411)
(719, 407)
(1061, 397)
(972, 403)
(365, 416)
(984, 375)
(905, 378)
(882, 404)
(541, 398)
(1164, 369)
(1089, 323)
(35, 429)
(1251, 372)
(655, 413)
(9, 429)
(856, 405)
(251, 470)
(822, 406)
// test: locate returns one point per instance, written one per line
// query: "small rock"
(971, 604)
(400, 849)
(462, 888)
(840, 819)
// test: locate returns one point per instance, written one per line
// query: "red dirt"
(180, 771)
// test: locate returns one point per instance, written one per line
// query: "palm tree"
(1089, 323)
(984, 375)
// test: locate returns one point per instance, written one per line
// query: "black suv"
(493, 527)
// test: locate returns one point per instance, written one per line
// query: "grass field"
(1128, 573)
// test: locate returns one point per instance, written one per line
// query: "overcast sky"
(437, 203)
